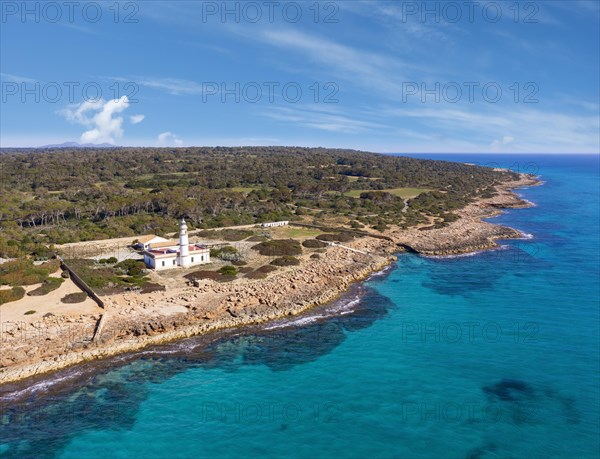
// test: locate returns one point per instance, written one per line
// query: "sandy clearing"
(15, 311)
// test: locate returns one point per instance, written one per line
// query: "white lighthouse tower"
(184, 248)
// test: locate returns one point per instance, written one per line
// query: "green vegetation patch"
(228, 270)
(231, 235)
(404, 192)
(279, 247)
(203, 274)
(131, 191)
(13, 294)
(227, 253)
(262, 272)
(335, 237)
(72, 298)
(132, 268)
(314, 244)
(110, 280)
(23, 272)
(295, 232)
(49, 285)
(286, 261)
(225, 274)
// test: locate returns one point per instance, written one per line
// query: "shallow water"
(486, 356)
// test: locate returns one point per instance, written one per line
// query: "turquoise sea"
(493, 355)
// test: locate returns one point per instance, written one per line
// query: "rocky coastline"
(132, 322)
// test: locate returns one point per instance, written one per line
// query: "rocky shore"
(133, 321)
(470, 233)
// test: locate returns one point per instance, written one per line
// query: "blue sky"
(379, 76)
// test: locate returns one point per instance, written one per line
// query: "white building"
(144, 242)
(169, 254)
(273, 224)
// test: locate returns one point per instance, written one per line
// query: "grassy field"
(295, 232)
(404, 193)
(244, 189)
(354, 178)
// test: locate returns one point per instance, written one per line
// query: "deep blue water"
(494, 355)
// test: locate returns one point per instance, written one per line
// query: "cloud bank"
(102, 117)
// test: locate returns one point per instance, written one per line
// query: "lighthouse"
(184, 248)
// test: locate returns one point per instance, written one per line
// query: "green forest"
(69, 195)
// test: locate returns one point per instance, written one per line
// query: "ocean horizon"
(487, 355)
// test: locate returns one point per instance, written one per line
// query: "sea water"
(493, 355)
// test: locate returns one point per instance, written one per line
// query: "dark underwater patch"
(283, 348)
(509, 390)
(110, 394)
(481, 451)
(480, 272)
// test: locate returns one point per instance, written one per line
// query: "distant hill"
(78, 145)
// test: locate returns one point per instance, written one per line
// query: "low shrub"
(132, 267)
(381, 227)
(24, 272)
(49, 285)
(257, 239)
(266, 269)
(203, 274)
(335, 237)
(315, 256)
(71, 298)
(14, 294)
(279, 247)
(286, 261)
(314, 244)
(28, 313)
(227, 253)
(228, 270)
(150, 287)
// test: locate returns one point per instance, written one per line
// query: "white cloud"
(167, 139)
(174, 86)
(506, 140)
(531, 130)
(135, 119)
(369, 70)
(8, 77)
(101, 117)
(326, 119)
